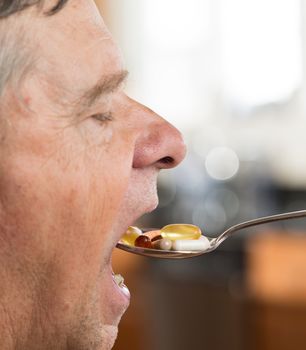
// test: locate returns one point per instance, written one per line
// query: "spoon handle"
(259, 221)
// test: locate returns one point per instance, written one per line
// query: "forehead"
(76, 48)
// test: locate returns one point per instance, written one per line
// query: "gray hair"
(13, 52)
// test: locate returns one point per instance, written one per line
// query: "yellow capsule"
(130, 235)
(181, 231)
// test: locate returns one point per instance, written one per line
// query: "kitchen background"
(230, 74)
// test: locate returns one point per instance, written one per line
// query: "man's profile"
(78, 164)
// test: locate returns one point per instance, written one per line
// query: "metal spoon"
(214, 242)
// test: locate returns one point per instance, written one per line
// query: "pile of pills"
(178, 237)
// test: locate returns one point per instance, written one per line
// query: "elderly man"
(79, 161)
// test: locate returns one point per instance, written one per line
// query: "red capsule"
(143, 242)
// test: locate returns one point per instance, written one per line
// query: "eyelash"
(103, 117)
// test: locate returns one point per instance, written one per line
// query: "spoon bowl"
(214, 242)
(163, 254)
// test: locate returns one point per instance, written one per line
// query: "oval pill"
(163, 244)
(130, 235)
(181, 231)
(191, 244)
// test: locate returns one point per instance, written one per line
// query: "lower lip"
(118, 298)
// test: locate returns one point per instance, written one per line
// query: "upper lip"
(144, 205)
(148, 209)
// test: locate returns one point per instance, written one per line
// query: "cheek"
(108, 156)
(64, 193)
(107, 160)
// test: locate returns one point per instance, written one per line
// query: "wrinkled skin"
(70, 184)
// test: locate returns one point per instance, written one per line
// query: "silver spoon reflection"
(214, 242)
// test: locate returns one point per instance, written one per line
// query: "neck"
(15, 307)
(19, 305)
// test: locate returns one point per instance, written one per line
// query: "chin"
(99, 317)
(108, 337)
(95, 338)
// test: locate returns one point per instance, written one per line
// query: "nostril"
(166, 160)
(159, 145)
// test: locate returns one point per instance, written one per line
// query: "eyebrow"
(107, 84)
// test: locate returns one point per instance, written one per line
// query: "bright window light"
(261, 50)
(177, 24)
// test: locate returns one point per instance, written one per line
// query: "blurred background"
(230, 74)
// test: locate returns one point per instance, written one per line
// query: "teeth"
(119, 280)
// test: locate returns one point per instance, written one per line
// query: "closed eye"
(103, 117)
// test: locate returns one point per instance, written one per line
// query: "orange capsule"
(153, 235)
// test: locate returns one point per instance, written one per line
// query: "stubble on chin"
(104, 339)
(109, 336)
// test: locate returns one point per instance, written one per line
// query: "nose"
(159, 144)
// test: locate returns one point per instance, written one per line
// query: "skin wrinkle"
(90, 46)
(8, 62)
(19, 69)
(23, 6)
(67, 101)
(105, 85)
(16, 55)
(86, 148)
(83, 152)
(7, 322)
(53, 92)
(53, 86)
(27, 317)
(78, 106)
(16, 59)
(36, 298)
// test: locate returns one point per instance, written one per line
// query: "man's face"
(78, 166)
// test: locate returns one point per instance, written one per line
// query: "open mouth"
(119, 280)
(121, 230)
(119, 290)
